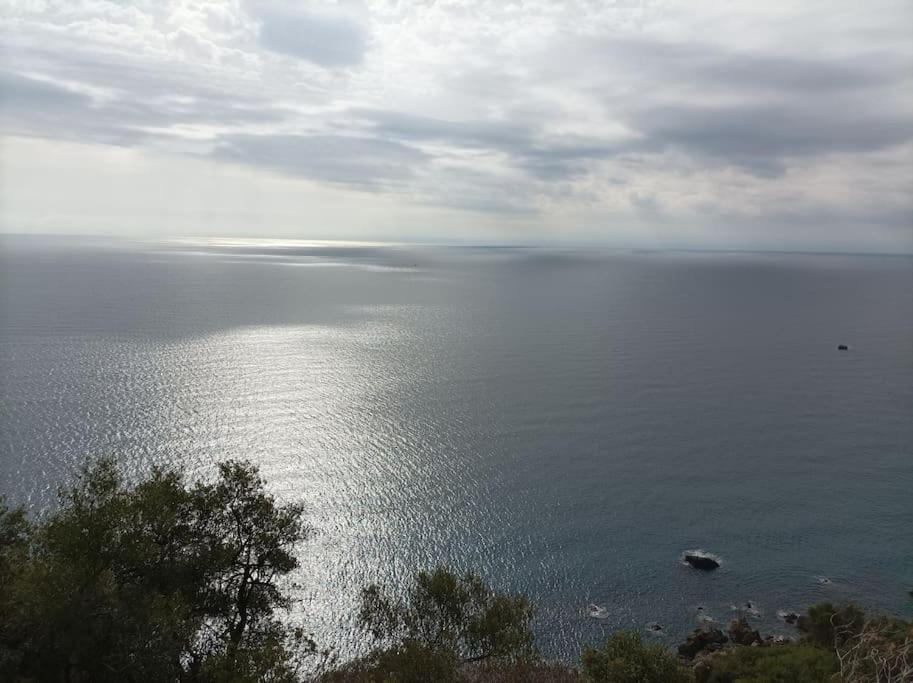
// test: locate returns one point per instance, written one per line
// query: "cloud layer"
(684, 124)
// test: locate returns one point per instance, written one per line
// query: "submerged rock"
(701, 562)
(702, 640)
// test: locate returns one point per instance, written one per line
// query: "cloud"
(764, 138)
(354, 161)
(329, 37)
(666, 112)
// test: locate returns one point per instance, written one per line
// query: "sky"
(729, 125)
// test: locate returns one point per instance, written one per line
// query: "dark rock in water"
(843, 347)
(702, 640)
(702, 562)
(742, 634)
(790, 617)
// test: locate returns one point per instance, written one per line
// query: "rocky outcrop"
(702, 640)
(742, 634)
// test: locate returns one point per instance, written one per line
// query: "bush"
(405, 662)
(774, 664)
(521, 672)
(882, 651)
(623, 658)
(828, 626)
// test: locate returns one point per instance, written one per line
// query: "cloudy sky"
(776, 124)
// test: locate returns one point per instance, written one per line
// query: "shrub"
(774, 664)
(623, 658)
(882, 651)
(828, 626)
(405, 662)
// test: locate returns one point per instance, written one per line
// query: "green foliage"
(828, 626)
(154, 582)
(774, 664)
(624, 658)
(521, 672)
(443, 611)
(405, 662)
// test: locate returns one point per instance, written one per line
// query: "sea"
(566, 422)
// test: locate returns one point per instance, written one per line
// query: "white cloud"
(701, 123)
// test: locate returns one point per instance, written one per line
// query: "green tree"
(624, 658)
(442, 610)
(155, 581)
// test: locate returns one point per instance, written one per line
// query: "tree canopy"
(157, 581)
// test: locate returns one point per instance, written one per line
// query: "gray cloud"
(324, 38)
(38, 107)
(470, 134)
(354, 161)
(764, 138)
(525, 144)
(707, 67)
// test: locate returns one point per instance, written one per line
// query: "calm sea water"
(565, 423)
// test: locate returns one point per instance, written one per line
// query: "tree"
(155, 581)
(624, 658)
(443, 612)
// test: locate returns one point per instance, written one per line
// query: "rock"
(597, 612)
(702, 640)
(655, 627)
(843, 347)
(790, 617)
(778, 639)
(742, 634)
(702, 562)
